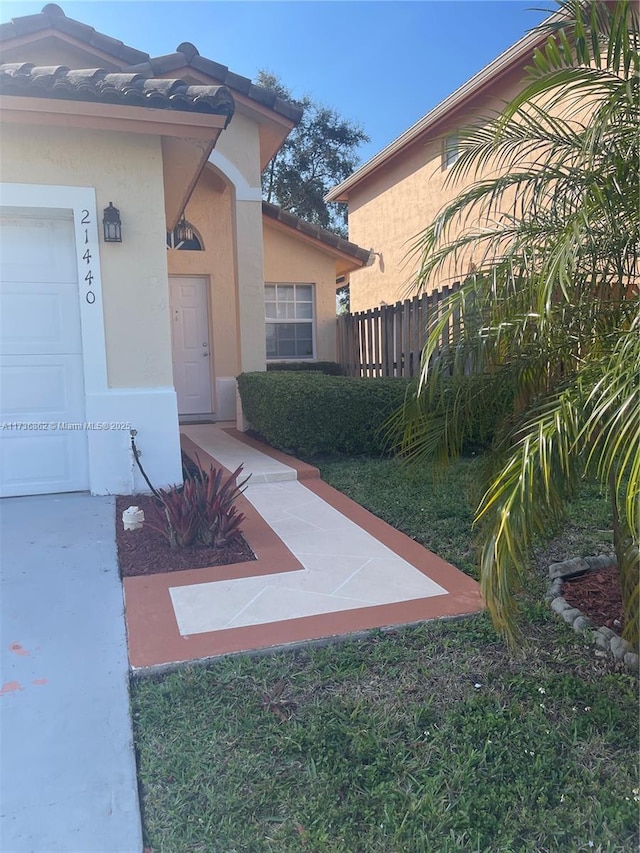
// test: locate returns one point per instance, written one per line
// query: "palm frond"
(527, 497)
(546, 241)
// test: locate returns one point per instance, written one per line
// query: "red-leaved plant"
(202, 511)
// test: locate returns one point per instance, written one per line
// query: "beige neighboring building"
(198, 282)
(398, 193)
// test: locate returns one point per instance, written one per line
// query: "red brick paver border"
(154, 638)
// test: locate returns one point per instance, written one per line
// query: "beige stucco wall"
(240, 144)
(288, 259)
(127, 170)
(210, 211)
(392, 206)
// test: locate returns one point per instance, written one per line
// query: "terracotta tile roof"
(136, 61)
(187, 55)
(52, 17)
(96, 84)
(321, 234)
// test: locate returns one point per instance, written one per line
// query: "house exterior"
(98, 338)
(399, 191)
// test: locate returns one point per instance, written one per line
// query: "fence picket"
(397, 339)
(376, 343)
(415, 338)
(406, 367)
(388, 341)
(369, 354)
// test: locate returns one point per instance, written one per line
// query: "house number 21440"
(90, 295)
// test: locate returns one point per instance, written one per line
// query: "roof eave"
(455, 100)
(347, 255)
(104, 116)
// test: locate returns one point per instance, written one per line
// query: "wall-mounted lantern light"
(183, 232)
(112, 224)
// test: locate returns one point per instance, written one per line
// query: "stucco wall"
(391, 207)
(240, 143)
(127, 170)
(286, 258)
(239, 148)
(290, 260)
(210, 211)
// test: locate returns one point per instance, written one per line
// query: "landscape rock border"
(604, 638)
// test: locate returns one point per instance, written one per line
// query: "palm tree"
(550, 321)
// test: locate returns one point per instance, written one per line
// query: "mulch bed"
(598, 596)
(147, 551)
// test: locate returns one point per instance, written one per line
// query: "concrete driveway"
(68, 775)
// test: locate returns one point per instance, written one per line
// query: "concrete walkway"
(68, 776)
(324, 567)
(344, 566)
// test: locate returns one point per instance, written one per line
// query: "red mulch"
(147, 551)
(598, 596)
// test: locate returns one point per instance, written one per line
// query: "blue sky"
(382, 64)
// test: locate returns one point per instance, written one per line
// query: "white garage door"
(41, 372)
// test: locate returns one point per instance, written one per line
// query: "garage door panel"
(57, 465)
(41, 364)
(39, 318)
(37, 250)
(42, 388)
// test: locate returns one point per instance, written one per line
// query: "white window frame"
(289, 320)
(450, 149)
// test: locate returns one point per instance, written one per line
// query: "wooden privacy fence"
(389, 340)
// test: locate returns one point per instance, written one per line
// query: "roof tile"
(188, 49)
(29, 24)
(237, 82)
(108, 44)
(264, 96)
(53, 17)
(208, 66)
(321, 234)
(73, 28)
(129, 88)
(164, 64)
(288, 109)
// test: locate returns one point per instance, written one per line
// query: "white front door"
(43, 440)
(190, 343)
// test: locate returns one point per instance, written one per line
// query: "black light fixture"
(183, 232)
(112, 224)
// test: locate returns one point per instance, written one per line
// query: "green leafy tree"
(343, 299)
(550, 314)
(319, 153)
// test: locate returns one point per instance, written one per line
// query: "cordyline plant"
(202, 511)
(550, 319)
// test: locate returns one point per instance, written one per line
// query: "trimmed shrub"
(331, 368)
(311, 413)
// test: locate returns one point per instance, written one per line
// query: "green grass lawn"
(433, 738)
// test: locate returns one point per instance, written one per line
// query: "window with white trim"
(289, 318)
(450, 150)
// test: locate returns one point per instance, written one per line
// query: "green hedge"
(332, 368)
(311, 413)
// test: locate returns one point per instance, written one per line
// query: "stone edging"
(604, 638)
